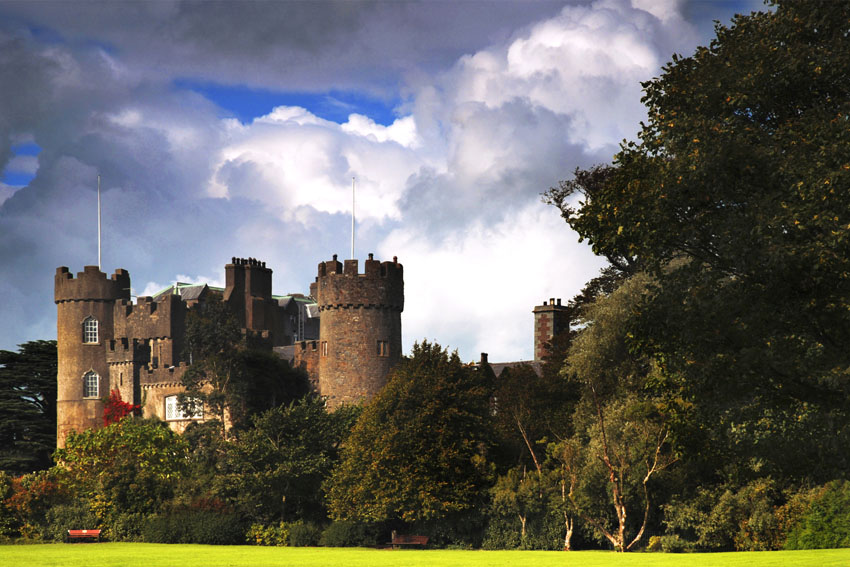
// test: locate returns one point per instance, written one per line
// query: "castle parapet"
(380, 286)
(91, 285)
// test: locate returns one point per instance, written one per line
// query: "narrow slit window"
(383, 348)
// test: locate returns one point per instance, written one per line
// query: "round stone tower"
(84, 321)
(359, 327)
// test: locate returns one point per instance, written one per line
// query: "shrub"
(195, 526)
(304, 534)
(259, 534)
(76, 515)
(128, 527)
(350, 534)
(742, 518)
(826, 523)
(669, 544)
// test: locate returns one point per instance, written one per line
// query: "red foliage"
(114, 409)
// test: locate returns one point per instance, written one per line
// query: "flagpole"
(98, 222)
(352, 218)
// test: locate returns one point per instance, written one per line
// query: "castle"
(346, 335)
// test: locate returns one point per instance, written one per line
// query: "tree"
(128, 467)
(419, 450)
(734, 198)
(28, 407)
(213, 340)
(620, 431)
(276, 468)
(232, 379)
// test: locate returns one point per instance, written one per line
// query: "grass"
(161, 555)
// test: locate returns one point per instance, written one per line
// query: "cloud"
(500, 101)
(368, 45)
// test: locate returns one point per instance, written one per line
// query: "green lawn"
(160, 555)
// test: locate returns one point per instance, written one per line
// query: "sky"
(224, 129)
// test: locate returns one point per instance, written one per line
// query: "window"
(383, 348)
(324, 348)
(91, 385)
(90, 330)
(173, 412)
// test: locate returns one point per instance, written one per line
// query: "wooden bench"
(83, 535)
(402, 540)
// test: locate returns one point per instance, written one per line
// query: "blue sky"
(453, 117)
(245, 103)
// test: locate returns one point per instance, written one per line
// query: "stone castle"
(346, 335)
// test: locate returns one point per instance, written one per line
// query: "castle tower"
(359, 327)
(549, 320)
(84, 326)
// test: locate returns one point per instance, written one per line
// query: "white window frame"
(91, 385)
(91, 331)
(173, 412)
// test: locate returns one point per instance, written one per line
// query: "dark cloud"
(93, 84)
(283, 45)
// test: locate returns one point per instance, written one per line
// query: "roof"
(186, 291)
(499, 367)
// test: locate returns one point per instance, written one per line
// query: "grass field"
(160, 555)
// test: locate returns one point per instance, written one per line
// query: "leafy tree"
(213, 340)
(28, 407)
(735, 199)
(419, 450)
(528, 408)
(127, 467)
(620, 432)
(232, 379)
(277, 467)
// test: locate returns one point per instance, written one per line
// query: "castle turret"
(359, 327)
(248, 291)
(84, 325)
(549, 320)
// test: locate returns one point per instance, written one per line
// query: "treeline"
(528, 461)
(699, 400)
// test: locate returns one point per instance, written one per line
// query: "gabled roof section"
(187, 291)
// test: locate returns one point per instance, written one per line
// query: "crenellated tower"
(359, 327)
(85, 323)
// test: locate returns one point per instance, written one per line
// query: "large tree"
(28, 407)
(619, 440)
(233, 378)
(275, 469)
(419, 450)
(736, 198)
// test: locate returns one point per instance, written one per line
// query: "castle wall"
(359, 327)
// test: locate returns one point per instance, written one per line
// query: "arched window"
(91, 385)
(90, 330)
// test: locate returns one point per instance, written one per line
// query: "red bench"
(402, 540)
(83, 535)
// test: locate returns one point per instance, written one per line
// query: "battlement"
(90, 285)
(380, 286)
(372, 269)
(149, 317)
